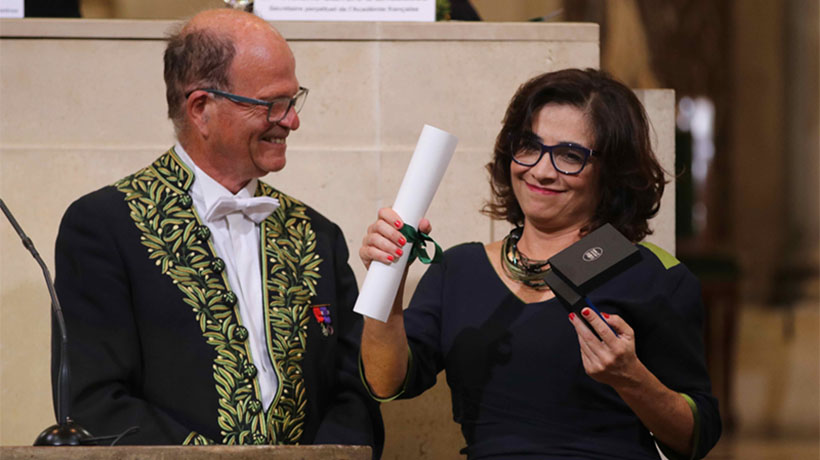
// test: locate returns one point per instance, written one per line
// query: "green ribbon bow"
(419, 241)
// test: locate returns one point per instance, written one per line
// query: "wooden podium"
(328, 452)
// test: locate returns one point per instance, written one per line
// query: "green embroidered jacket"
(156, 339)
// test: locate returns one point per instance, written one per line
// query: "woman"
(528, 380)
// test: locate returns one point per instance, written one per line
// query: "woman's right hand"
(383, 240)
(384, 345)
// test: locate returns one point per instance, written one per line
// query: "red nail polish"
(571, 316)
(397, 224)
(402, 241)
(390, 258)
(585, 312)
(606, 315)
(399, 252)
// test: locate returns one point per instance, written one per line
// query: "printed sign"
(11, 8)
(346, 10)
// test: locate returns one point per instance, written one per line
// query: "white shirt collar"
(207, 188)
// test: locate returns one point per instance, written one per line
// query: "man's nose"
(291, 120)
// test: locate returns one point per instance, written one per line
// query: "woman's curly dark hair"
(631, 181)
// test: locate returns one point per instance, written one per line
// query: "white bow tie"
(254, 208)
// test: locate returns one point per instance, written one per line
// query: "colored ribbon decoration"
(419, 241)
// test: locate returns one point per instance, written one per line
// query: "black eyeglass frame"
(301, 94)
(516, 144)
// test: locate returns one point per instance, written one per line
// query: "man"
(203, 305)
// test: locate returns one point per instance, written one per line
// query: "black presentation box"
(590, 262)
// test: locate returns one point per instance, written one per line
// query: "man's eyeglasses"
(277, 108)
(566, 158)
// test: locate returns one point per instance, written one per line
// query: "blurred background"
(746, 77)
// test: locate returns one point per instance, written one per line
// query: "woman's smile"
(543, 190)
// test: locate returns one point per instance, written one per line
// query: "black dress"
(517, 382)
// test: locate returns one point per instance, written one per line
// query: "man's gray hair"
(195, 59)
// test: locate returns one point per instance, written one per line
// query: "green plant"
(442, 10)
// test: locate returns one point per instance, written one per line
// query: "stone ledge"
(328, 452)
(126, 29)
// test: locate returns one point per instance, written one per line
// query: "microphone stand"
(66, 432)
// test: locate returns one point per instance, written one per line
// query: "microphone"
(66, 432)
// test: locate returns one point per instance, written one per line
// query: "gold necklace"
(521, 268)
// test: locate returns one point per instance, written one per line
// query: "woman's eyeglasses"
(566, 158)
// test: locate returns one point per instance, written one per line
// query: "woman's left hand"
(611, 360)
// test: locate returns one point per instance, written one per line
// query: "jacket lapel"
(290, 271)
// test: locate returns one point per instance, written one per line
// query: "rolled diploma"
(433, 152)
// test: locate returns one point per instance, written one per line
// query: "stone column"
(797, 277)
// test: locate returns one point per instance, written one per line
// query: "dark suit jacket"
(155, 337)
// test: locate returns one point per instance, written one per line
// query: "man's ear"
(198, 111)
